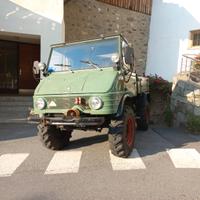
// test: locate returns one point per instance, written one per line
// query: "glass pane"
(93, 54)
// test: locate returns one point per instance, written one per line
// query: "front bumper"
(66, 121)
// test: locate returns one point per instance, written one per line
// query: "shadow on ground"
(150, 142)
(87, 141)
(17, 131)
(158, 140)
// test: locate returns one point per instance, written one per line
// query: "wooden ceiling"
(142, 6)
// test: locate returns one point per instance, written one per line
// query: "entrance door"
(8, 66)
(28, 53)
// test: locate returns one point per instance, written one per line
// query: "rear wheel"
(122, 133)
(53, 138)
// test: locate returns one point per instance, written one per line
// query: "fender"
(121, 105)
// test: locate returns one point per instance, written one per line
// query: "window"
(195, 38)
(84, 55)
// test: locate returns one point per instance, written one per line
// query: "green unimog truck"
(91, 85)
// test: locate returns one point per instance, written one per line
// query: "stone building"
(92, 19)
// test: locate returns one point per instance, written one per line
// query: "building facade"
(92, 19)
(174, 32)
(28, 28)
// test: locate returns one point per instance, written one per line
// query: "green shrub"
(193, 123)
(160, 91)
(158, 84)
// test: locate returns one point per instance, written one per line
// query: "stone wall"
(185, 99)
(86, 19)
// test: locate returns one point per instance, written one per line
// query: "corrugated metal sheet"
(142, 6)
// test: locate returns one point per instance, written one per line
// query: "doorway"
(28, 53)
(16, 61)
(8, 66)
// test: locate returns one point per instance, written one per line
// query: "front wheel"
(52, 137)
(122, 133)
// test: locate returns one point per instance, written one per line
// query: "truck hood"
(87, 81)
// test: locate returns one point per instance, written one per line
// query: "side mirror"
(129, 55)
(115, 58)
(37, 67)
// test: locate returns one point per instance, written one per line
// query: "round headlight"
(95, 103)
(40, 103)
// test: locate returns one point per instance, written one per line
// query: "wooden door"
(28, 53)
(8, 67)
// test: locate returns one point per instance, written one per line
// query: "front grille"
(59, 102)
(60, 115)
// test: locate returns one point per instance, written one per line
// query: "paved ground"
(165, 165)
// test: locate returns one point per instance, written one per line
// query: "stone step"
(9, 117)
(16, 99)
(16, 104)
(9, 104)
(14, 119)
(9, 113)
(14, 115)
(15, 109)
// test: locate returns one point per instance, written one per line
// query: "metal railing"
(190, 65)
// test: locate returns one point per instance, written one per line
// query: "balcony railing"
(190, 65)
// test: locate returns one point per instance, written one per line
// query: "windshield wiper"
(89, 62)
(64, 65)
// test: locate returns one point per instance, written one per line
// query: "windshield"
(87, 55)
